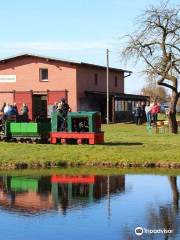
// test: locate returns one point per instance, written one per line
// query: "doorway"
(39, 106)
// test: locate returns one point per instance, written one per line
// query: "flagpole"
(107, 85)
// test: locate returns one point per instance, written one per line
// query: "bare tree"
(156, 41)
(156, 93)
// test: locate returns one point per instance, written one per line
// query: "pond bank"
(82, 171)
(67, 164)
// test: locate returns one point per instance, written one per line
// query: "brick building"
(40, 81)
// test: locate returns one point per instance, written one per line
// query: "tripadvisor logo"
(139, 231)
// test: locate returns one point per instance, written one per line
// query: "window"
(115, 82)
(129, 106)
(125, 106)
(119, 105)
(96, 79)
(43, 74)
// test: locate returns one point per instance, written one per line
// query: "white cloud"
(55, 46)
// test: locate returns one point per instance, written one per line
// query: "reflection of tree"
(173, 182)
(167, 216)
(163, 217)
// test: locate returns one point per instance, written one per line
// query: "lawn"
(126, 145)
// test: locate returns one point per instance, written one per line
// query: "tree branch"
(160, 82)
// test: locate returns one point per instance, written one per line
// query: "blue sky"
(72, 29)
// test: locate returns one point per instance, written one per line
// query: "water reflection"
(107, 207)
(166, 216)
(161, 216)
(31, 195)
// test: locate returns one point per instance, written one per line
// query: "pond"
(89, 206)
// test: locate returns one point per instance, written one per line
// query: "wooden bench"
(162, 126)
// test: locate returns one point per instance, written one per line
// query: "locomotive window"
(80, 124)
(43, 74)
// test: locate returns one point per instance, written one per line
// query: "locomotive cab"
(81, 127)
(84, 122)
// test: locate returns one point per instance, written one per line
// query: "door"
(39, 106)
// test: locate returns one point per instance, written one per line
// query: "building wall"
(6, 97)
(61, 76)
(86, 81)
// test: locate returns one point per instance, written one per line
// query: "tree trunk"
(172, 113)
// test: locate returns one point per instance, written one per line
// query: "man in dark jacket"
(138, 114)
(62, 109)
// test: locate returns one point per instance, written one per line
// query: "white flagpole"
(107, 84)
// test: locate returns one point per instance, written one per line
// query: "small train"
(80, 128)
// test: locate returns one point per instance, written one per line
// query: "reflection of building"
(38, 194)
(25, 194)
(69, 195)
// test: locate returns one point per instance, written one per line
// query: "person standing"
(143, 112)
(15, 109)
(148, 113)
(64, 106)
(54, 107)
(62, 109)
(137, 114)
(24, 112)
(154, 112)
(7, 110)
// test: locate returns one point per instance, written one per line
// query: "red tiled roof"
(61, 60)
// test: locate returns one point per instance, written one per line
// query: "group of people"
(9, 111)
(62, 108)
(146, 111)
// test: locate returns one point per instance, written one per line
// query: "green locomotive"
(27, 131)
(82, 127)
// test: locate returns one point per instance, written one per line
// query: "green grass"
(125, 145)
